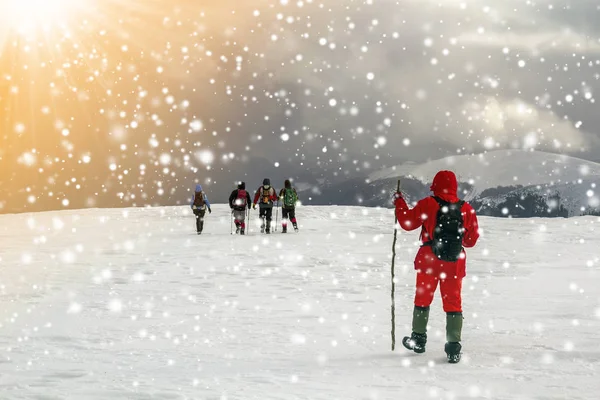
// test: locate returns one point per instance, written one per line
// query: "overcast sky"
(236, 90)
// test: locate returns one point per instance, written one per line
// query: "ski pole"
(393, 275)
(277, 215)
(231, 223)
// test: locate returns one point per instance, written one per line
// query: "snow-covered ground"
(132, 304)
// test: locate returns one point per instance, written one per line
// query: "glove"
(209, 211)
(254, 206)
(193, 207)
(398, 199)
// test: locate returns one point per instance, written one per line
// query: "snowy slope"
(576, 197)
(500, 168)
(131, 304)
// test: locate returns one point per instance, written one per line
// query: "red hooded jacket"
(423, 216)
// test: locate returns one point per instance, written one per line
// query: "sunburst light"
(79, 77)
(27, 16)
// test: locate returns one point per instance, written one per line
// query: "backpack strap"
(441, 202)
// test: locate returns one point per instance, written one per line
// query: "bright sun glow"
(33, 15)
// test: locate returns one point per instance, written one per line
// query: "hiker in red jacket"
(265, 196)
(448, 225)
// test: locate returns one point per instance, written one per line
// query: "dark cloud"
(328, 90)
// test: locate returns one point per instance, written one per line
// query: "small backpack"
(265, 195)
(449, 231)
(289, 198)
(241, 201)
(199, 200)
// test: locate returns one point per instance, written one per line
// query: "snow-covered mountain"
(502, 182)
(500, 168)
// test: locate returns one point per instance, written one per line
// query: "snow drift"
(132, 304)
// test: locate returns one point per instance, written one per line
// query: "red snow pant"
(431, 272)
(450, 287)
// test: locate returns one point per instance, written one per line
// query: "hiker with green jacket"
(288, 198)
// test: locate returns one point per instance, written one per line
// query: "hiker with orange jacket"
(448, 225)
(265, 197)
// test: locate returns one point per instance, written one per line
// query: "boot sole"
(454, 359)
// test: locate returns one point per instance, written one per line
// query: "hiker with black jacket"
(239, 201)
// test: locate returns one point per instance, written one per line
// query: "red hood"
(445, 186)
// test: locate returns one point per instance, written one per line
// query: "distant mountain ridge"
(503, 183)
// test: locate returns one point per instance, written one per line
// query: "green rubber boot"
(418, 339)
(454, 323)
(420, 319)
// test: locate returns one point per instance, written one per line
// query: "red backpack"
(241, 201)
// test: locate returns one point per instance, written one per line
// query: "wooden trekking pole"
(393, 275)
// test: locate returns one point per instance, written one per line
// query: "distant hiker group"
(240, 204)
